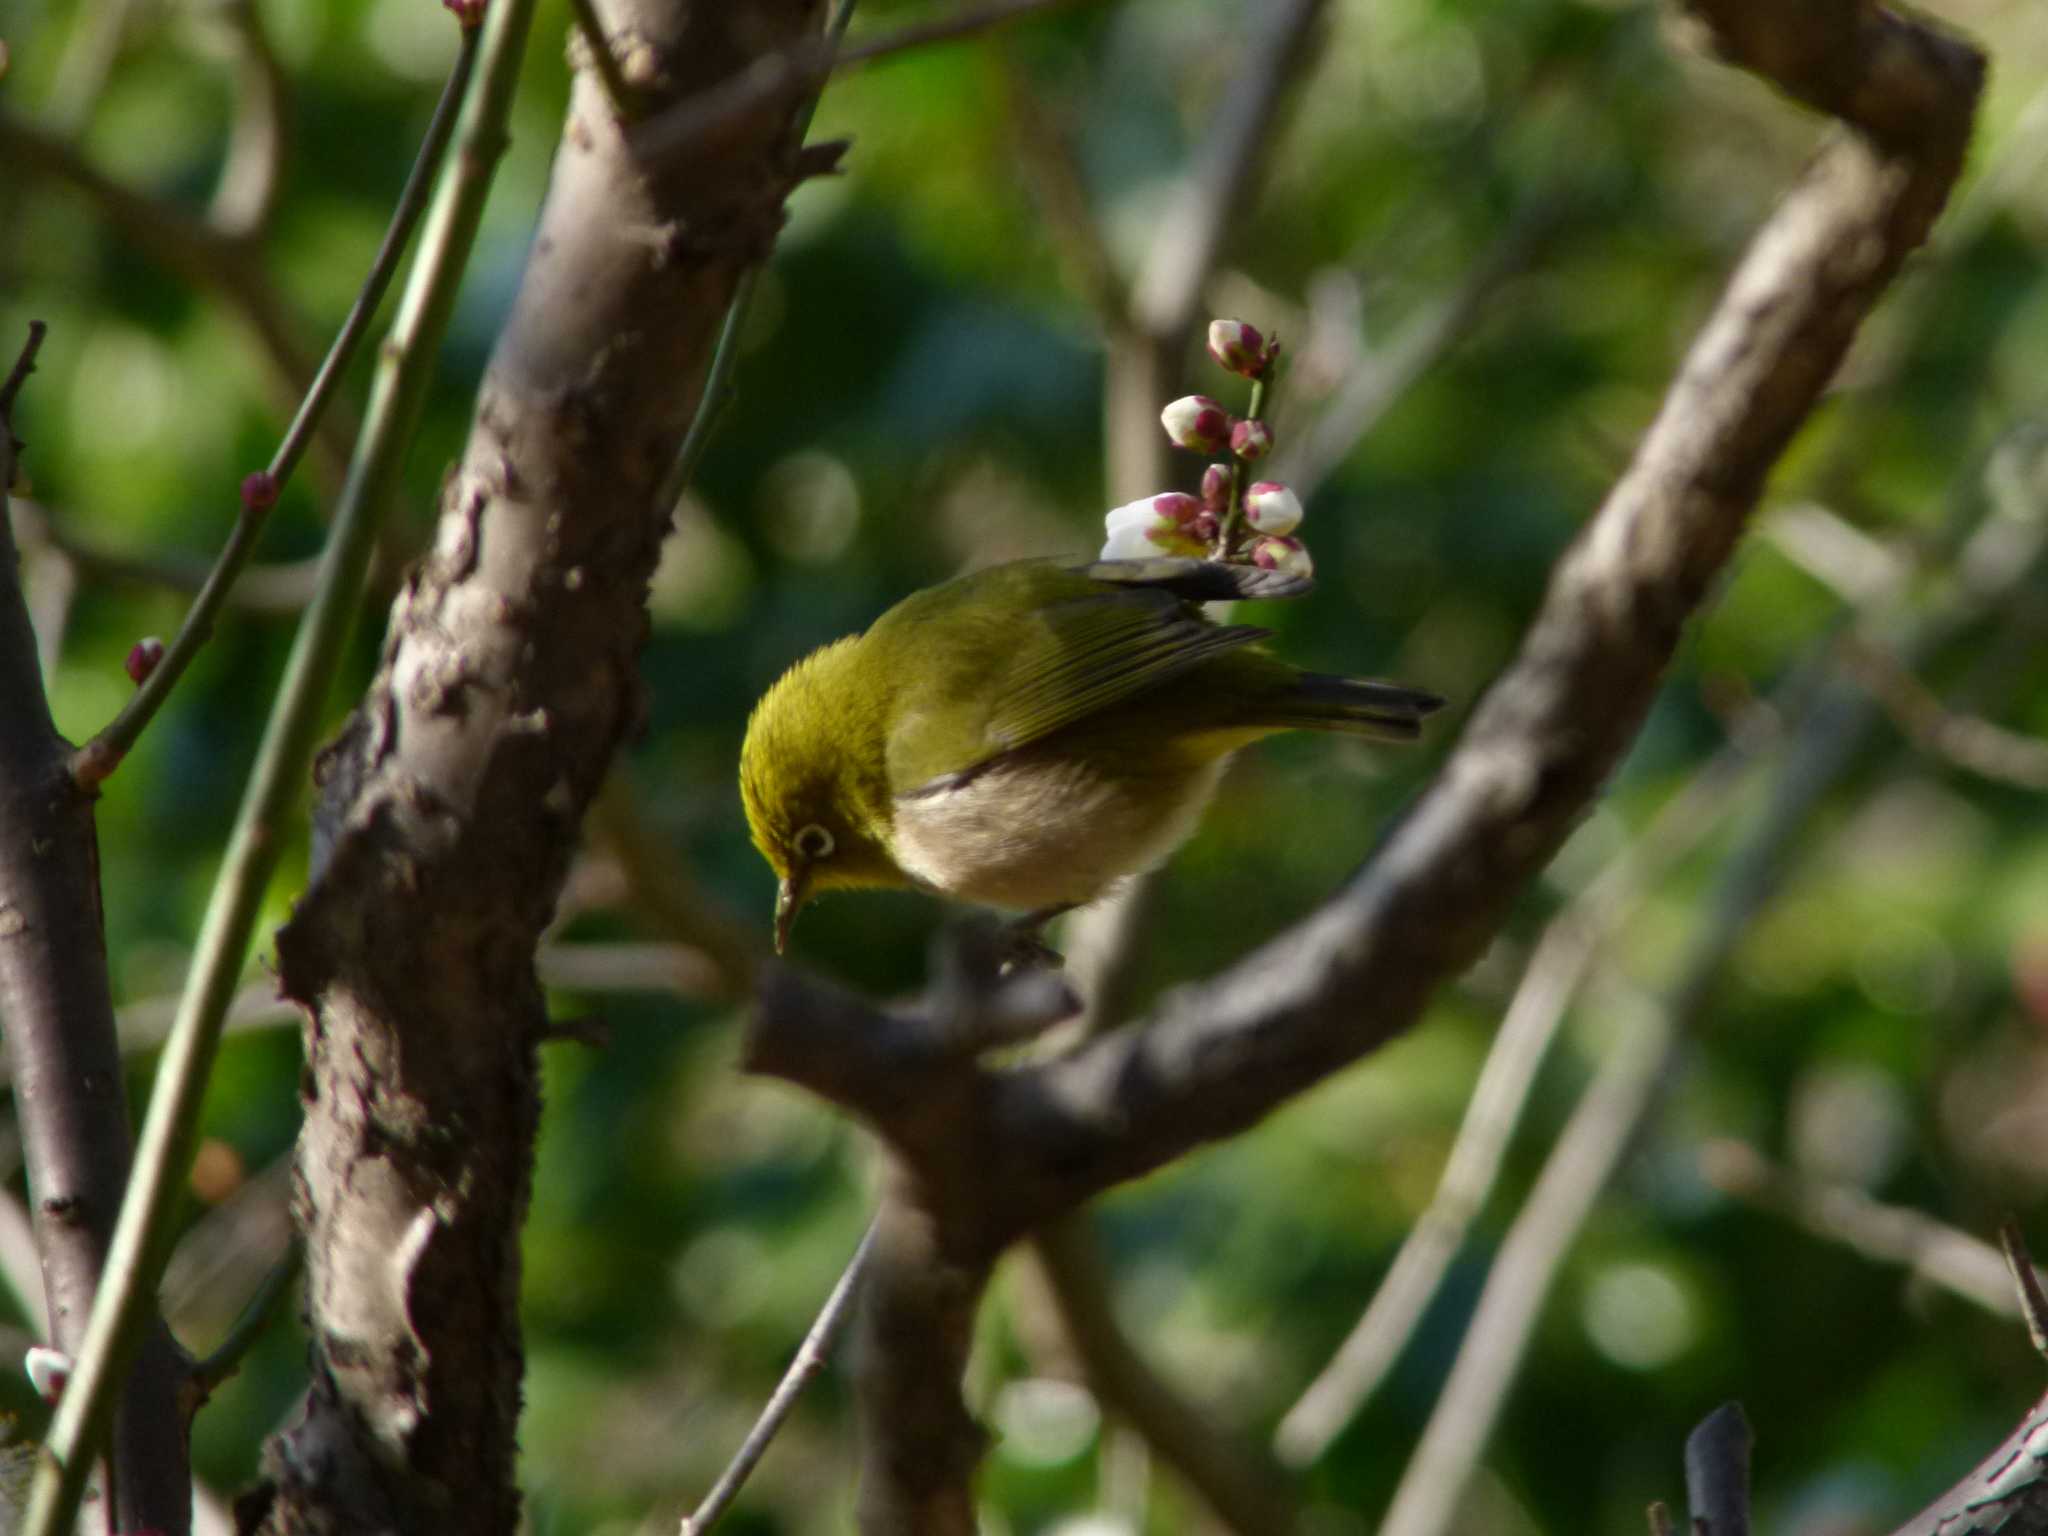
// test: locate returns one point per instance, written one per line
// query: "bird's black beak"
(790, 896)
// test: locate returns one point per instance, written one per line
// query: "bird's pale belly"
(1042, 833)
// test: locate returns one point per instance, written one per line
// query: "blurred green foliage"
(921, 387)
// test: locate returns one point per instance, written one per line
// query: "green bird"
(1024, 736)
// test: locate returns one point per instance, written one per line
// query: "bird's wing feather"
(1047, 648)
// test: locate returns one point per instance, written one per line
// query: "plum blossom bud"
(259, 491)
(1155, 525)
(1271, 507)
(1196, 422)
(1216, 487)
(1176, 507)
(1251, 440)
(469, 12)
(1240, 347)
(1287, 556)
(143, 657)
(1205, 527)
(48, 1371)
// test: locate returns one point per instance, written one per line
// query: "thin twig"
(625, 103)
(1246, 1492)
(1967, 741)
(1569, 948)
(397, 396)
(718, 386)
(787, 75)
(1927, 1249)
(2026, 1281)
(24, 365)
(262, 589)
(193, 249)
(245, 196)
(254, 1322)
(1385, 375)
(810, 1358)
(102, 755)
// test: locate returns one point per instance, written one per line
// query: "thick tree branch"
(452, 799)
(989, 1155)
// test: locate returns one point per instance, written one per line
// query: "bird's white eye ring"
(814, 842)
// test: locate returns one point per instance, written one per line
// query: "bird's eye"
(814, 842)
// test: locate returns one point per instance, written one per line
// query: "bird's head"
(814, 781)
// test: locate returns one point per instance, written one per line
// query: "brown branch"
(1569, 949)
(55, 997)
(253, 172)
(452, 799)
(1247, 1493)
(231, 269)
(271, 590)
(987, 1155)
(1928, 1250)
(1976, 745)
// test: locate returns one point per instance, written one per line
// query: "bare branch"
(1246, 1492)
(810, 1359)
(100, 756)
(55, 997)
(1927, 1249)
(2026, 1281)
(597, 47)
(1976, 745)
(1564, 955)
(253, 171)
(199, 254)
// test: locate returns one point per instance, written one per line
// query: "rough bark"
(451, 802)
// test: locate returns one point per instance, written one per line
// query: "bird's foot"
(1023, 946)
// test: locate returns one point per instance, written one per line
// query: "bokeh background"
(1486, 232)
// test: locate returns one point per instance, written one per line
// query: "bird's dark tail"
(1320, 702)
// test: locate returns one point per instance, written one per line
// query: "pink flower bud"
(1240, 347)
(469, 12)
(1204, 527)
(1157, 525)
(48, 1371)
(1251, 440)
(1287, 556)
(1271, 507)
(259, 491)
(1196, 422)
(1215, 487)
(143, 657)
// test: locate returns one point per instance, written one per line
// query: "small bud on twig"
(1271, 507)
(1251, 440)
(1216, 488)
(259, 491)
(1196, 422)
(143, 657)
(48, 1371)
(1240, 348)
(1287, 556)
